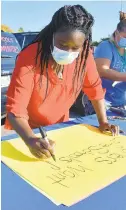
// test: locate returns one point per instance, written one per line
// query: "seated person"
(110, 57)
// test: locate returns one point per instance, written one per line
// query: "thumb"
(48, 144)
(52, 143)
(52, 146)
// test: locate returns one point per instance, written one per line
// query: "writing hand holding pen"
(41, 147)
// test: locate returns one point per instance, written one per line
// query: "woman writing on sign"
(110, 57)
(49, 75)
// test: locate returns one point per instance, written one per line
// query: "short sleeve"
(92, 86)
(104, 50)
(21, 87)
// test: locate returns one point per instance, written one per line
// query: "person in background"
(49, 75)
(110, 58)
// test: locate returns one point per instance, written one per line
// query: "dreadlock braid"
(73, 17)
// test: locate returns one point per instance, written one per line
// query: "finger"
(38, 154)
(51, 149)
(115, 129)
(52, 143)
(104, 128)
(35, 153)
(43, 156)
(46, 145)
(46, 152)
(111, 129)
(118, 130)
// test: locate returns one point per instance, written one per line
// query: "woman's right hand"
(41, 148)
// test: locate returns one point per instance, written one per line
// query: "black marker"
(44, 136)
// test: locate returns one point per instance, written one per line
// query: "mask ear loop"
(53, 48)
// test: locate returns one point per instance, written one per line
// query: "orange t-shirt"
(25, 96)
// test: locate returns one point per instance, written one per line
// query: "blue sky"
(34, 15)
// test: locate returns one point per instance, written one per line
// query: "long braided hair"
(73, 17)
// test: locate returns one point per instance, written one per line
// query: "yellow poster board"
(87, 161)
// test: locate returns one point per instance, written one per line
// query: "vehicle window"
(20, 38)
(29, 39)
(9, 45)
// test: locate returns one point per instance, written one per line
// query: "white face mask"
(63, 57)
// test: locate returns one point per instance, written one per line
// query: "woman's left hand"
(114, 129)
